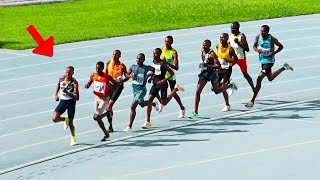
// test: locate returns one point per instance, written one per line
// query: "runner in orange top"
(101, 88)
(118, 71)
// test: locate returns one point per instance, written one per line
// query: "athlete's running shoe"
(287, 67)
(194, 115)
(146, 125)
(73, 140)
(249, 105)
(182, 113)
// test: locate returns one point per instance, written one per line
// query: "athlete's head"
(206, 45)
(224, 37)
(235, 28)
(140, 59)
(156, 54)
(168, 41)
(116, 55)
(69, 72)
(264, 30)
(99, 67)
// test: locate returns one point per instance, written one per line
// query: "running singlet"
(159, 73)
(115, 71)
(69, 87)
(168, 55)
(224, 56)
(239, 51)
(266, 47)
(101, 86)
(139, 82)
(205, 59)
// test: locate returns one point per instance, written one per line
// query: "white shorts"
(100, 104)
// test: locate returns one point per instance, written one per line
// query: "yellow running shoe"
(146, 125)
(73, 140)
(66, 123)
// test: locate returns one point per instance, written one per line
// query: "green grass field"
(95, 19)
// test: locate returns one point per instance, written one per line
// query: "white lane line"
(129, 95)
(150, 132)
(157, 117)
(216, 159)
(132, 50)
(53, 84)
(127, 61)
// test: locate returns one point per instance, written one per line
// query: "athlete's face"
(234, 29)
(116, 55)
(156, 55)
(140, 59)
(205, 46)
(69, 73)
(264, 32)
(99, 68)
(168, 42)
(223, 39)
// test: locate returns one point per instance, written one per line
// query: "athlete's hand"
(57, 98)
(236, 40)
(86, 86)
(271, 54)
(159, 83)
(64, 90)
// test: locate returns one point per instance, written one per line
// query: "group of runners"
(108, 79)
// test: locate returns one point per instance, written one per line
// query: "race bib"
(138, 80)
(224, 64)
(264, 51)
(99, 87)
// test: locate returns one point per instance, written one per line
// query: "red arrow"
(45, 47)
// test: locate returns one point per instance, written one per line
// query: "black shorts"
(266, 68)
(155, 89)
(208, 76)
(172, 83)
(115, 92)
(69, 105)
(224, 75)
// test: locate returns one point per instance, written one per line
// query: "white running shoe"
(182, 113)
(157, 106)
(249, 105)
(229, 91)
(161, 106)
(287, 67)
(226, 109)
(127, 130)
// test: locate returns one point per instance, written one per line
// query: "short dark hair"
(100, 63)
(141, 54)
(207, 41)
(70, 67)
(266, 27)
(158, 49)
(236, 23)
(118, 51)
(170, 37)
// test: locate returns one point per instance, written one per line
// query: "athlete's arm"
(255, 44)
(276, 42)
(244, 44)
(129, 72)
(124, 71)
(114, 82)
(213, 57)
(57, 89)
(232, 53)
(75, 94)
(174, 66)
(166, 67)
(89, 82)
(150, 75)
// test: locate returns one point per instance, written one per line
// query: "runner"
(209, 65)
(101, 89)
(160, 84)
(118, 71)
(239, 43)
(68, 96)
(264, 45)
(227, 57)
(138, 73)
(170, 55)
